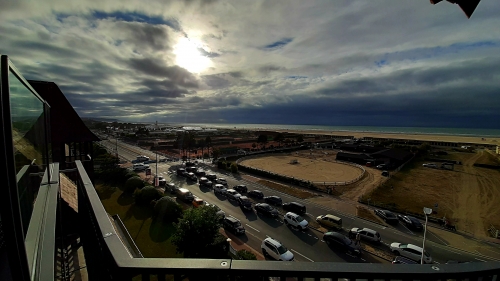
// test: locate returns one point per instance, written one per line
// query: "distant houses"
(392, 156)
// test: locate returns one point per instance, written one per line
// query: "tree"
(202, 144)
(132, 183)
(142, 132)
(166, 209)
(262, 140)
(146, 195)
(234, 168)
(215, 153)
(208, 143)
(196, 232)
(279, 138)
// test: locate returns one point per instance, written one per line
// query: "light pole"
(157, 180)
(427, 211)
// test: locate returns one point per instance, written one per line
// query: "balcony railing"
(108, 259)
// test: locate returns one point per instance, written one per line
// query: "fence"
(493, 231)
(340, 183)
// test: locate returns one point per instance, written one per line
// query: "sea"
(473, 132)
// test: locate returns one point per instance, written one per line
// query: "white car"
(232, 194)
(430, 165)
(140, 167)
(219, 188)
(410, 251)
(295, 220)
(273, 248)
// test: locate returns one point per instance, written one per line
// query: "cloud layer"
(378, 63)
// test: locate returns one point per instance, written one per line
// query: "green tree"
(132, 183)
(262, 140)
(166, 209)
(208, 143)
(215, 153)
(196, 232)
(146, 195)
(234, 168)
(279, 138)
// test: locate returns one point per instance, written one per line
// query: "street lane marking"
(444, 242)
(252, 227)
(480, 260)
(322, 241)
(363, 259)
(302, 255)
(407, 228)
(316, 238)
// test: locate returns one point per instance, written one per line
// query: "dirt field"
(307, 169)
(468, 195)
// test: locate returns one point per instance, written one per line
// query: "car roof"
(231, 190)
(273, 241)
(232, 219)
(336, 234)
(332, 217)
(292, 214)
(263, 204)
(414, 247)
(244, 198)
(368, 230)
(295, 203)
(256, 190)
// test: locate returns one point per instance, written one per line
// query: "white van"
(140, 167)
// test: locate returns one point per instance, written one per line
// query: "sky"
(403, 63)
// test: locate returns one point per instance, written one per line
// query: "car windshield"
(347, 241)
(389, 214)
(299, 218)
(282, 249)
(237, 224)
(267, 207)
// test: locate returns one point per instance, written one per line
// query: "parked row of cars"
(390, 218)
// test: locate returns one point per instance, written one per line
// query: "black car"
(295, 207)
(200, 172)
(403, 260)
(387, 216)
(273, 200)
(256, 194)
(263, 208)
(245, 203)
(211, 176)
(233, 225)
(241, 188)
(171, 187)
(411, 222)
(337, 240)
(181, 172)
(190, 164)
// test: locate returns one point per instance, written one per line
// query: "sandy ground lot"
(307, 169)
(468, 195)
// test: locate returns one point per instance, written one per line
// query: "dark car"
(256, 194)
(403, 260)
(273, 200)
(200, 172)
(181, 172)
(233, 225)
(387, 216)
(263, 208)
(411, 222)
(191, 169)
(171, 188)
(192, 177)
(337, 240)
(211, 176)
(295, 207)
(190, 164)
(204, 182)
(241, 188)
(245, 203)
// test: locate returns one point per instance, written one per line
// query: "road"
(307, 245)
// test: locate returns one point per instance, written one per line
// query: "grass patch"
(151, 236)
(365, 213)
(302, 194)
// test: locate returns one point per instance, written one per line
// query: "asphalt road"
(307, 245)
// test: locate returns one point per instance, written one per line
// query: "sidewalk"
(237, 244)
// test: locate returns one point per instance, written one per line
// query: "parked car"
(219, 212)
(264, 208)
(163, 160)
(403, 260)
(170, 187)
(181, 172)
(256, 194)
(232, 194)
(191, 169)
(385, 173)
(430, 165)
(140, 167)
(411, 222)
(365, 234)
(211, 176)
(410, 251)
(275, 249)
(184, 195)
(381, 166)
(200, 172)
(241, 188)
(340, 241)
(221, 181)
(220, 189)
(295, 207)
(387, 216)
(198, 202)
(204, 182)
(192, 176)
(245, 203)
(190, 164)
(330, 221)
(233, 225)
(294, 220)
(273, 200)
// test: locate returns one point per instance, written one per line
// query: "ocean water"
(393, 130)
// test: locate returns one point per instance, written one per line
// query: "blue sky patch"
(278, 44)
(138, 17)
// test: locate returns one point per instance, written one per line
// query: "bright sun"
(189, 57)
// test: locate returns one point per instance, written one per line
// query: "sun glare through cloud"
(189, 57)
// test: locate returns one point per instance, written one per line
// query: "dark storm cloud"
(278, 44)
(216, 81)
(154, 67)
(236, 74)
(270, 68)
(146, 35)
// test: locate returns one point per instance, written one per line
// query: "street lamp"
(427, 211)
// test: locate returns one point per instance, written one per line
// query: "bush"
(234, 168)
(245, 255)
(132, 184)
(167, 209)
(129, 174)
(146, 195)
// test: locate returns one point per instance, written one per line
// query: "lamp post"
(427, 211)
(157, 180)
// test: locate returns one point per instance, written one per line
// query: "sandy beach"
(424, 137)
